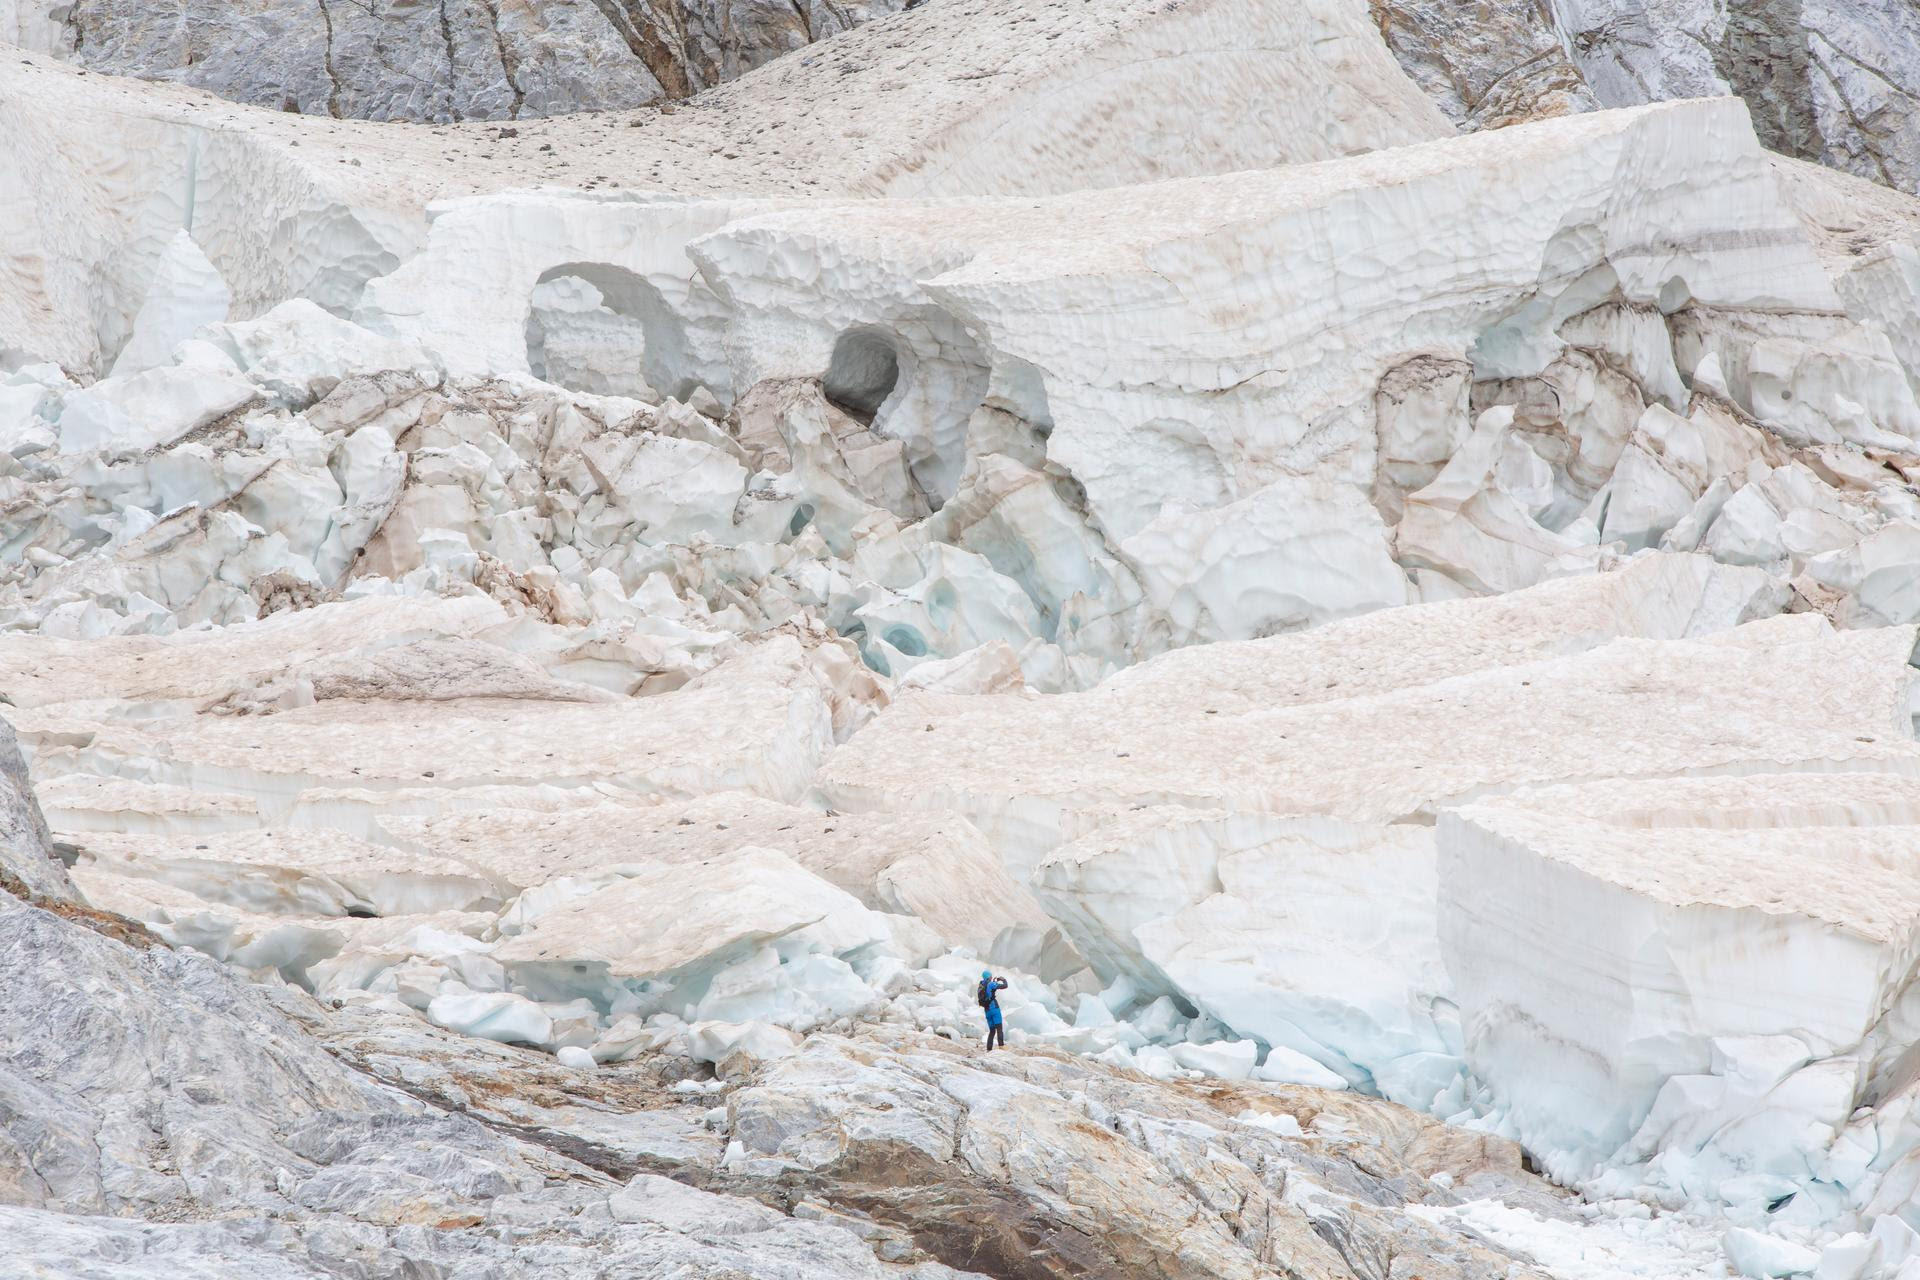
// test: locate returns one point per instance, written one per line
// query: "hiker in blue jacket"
(989, 997)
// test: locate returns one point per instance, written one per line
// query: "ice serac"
(1262, 467)
(1732, 963)
(100, 184)
(186, 292)
(1322, 941)
(1313, 935)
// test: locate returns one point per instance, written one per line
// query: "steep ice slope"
(466, 61)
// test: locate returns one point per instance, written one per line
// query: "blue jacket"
(992, 996)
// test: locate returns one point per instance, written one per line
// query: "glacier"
(541, 661)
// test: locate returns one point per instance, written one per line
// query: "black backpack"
(985, 994)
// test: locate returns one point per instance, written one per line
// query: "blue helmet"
(986, 973)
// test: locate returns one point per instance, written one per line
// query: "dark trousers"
(996, 1029)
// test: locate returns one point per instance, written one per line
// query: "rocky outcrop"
(439, 61)
(1834, 82)
(26, 849)
(1486, 65)
(1829, 82)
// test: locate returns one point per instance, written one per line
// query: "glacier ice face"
(186, 292)
(1651, 1054)
(1321, 941)
(950, 335)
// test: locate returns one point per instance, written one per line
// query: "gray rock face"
(437, 60)
(25, 847)
(143, 1091)
(1835, 82)
(1484, 65)
(1827, 82)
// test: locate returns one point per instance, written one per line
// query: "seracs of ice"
(1730, 1001)
(1878, 577)
(1312, 936)
(860, 407)
(186, 292)
(754, 937)
(973, 334)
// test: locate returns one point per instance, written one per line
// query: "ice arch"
(596, 327)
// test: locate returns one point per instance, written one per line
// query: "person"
(989, 997)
